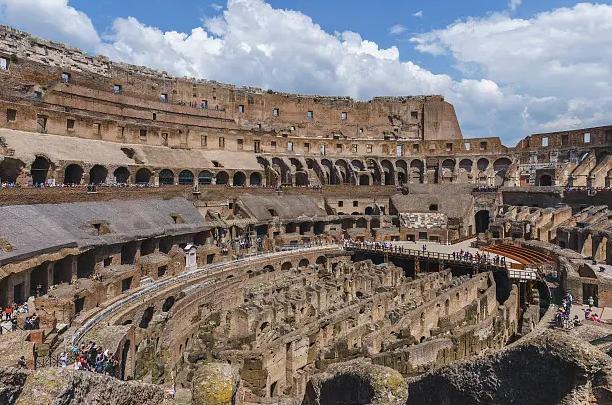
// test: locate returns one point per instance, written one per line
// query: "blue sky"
(368, 18)
(510, 67)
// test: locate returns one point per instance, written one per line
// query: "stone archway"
(143, 176)
(98, 174)
(205, 178)
(185, 178)
(239, 179)
(222, 178)
(40, 170)
(166, 177)
(73, 174)
(122, 175)
(255, 179)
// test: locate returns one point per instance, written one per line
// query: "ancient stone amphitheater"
(229, 245)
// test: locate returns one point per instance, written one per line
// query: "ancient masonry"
(242, 246)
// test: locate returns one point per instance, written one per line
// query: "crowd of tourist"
(484, 189)
(91, 357)
(589, 190)
(8, 318)
(9, 185)
(563, 317)
(462, 255)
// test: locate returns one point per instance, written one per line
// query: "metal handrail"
(400, 250)
(158, 285)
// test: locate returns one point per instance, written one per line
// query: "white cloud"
(560, 62)
(397, 29)
(51, 19)
(216, 6)
(514, 4)
(419, 13)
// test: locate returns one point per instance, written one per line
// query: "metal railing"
(425, 254)
(203, 271)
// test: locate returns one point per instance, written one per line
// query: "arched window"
(40, 169)
(255, 179)
(186, 178)
(143, 176)
(205, 177)
(239, 179)
(73, 174)
(121, 174)
(97, 174)
(222, 178)
(166, 177)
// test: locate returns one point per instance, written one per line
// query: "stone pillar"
(73, 268)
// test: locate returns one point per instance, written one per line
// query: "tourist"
(21, 363)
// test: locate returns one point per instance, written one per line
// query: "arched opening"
(282, 169)
(185, 178)
(364, 180)
(402, 172)
(10, 169)
(301, 179)
(239, 179)
(268, 269)
(357, 164)
(319, 228)
(40, 170)
(362, 223)
(255, 179)
(303, 263)
(321, 260)
(73, 174)
(369, 211)
(147, 316)
(121, 174)
(482, 221)
(166, 177)
(482, 164)
(143, 176)
(501, 166)
(286, 266)
(168, 303)
(448, 170)
(98, 174)
(205, 178)
(416, 171)
(222, 178)
(545, 180)
(389, 172)
(375, 170)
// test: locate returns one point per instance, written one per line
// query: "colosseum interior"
(230, 245)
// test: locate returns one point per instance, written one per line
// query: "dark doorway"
(482, 221)
(73, 174)
(590, 290)
(40, 170)
(122, 174)
(97, 174)
(545, 180)
(143, 176)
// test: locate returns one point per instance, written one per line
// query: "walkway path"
(190, 276)
(448, 249)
